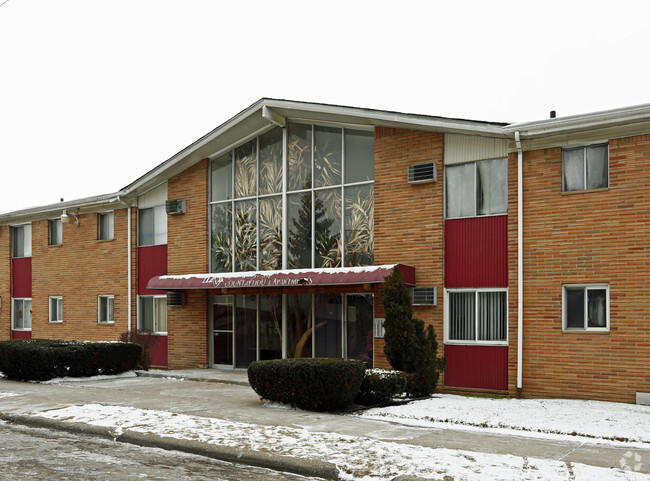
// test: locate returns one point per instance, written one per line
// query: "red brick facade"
(409, 219)
(585, 237)
(187, 238)
(581, 238)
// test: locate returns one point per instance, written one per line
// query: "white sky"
(93, 94)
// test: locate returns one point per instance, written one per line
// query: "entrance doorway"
(246, 328)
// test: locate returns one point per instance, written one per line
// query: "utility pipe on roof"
(520, 262)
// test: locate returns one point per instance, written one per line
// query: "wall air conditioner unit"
(174, 298)
(175, 206)
(422, 173)
(424, 296)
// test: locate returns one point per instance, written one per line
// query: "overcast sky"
(93, 94)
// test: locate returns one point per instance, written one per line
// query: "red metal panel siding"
(159, 357)
(476, 252)
(21, 334)
(479, 367)
(21, 270)
(152, 261)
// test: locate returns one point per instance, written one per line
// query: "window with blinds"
(477, 315)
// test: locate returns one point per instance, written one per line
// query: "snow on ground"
(8, 394)
(357, 458)
(101, 377)
(597, 420)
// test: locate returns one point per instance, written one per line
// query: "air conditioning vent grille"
(174, 298)
(424, 296)
(422, 173)
(379, 328)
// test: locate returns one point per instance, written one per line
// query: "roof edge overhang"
(267, 112)
(282, 278)
(77, 207)
(638, 114)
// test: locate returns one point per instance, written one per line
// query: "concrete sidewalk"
(227, 395)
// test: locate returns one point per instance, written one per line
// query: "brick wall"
(409, 217)
(187, 253)
(595, 237)
(79, 270)
(5, 282)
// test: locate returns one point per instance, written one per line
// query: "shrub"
(380, 386)
(148, 340)
(44, 359)
(310, 384)
(409, 345)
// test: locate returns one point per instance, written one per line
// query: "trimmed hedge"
(380, 386)
(310, 384)
(44, 359)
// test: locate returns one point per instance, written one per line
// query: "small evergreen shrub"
(409, 345)
(148, 340)
(380, 386)
(310, 384)
(44, 359)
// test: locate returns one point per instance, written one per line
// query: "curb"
(300, 466)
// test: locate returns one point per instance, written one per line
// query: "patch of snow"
(595, 420)
(101, 377)
(8, 394)
(357, 457)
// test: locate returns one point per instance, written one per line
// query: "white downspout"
(129, 312)
(520, 263)
(128, 236)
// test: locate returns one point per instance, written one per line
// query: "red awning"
(285, 278)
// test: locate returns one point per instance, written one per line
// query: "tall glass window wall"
(297, 199)
(250, 327)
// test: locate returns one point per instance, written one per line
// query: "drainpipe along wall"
(520, 263)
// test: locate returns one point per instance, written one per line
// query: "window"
(152, 226)
(153, 314)
(22, 315)
(585, 168)
(298, 198)
(21, 241)
(105, 309)
(105, 226)
(56, 235)
(477, 315)
(585, 307)
(56, 309)
(476, 189)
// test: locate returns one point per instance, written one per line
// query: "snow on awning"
(284, 278)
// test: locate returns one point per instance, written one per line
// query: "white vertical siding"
(466, 148)
(155, 197)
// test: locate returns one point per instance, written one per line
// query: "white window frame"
(584, 167)
(27, 241)
(476, 341)
(587, 288)
(59, 309)
(109, 305)
(13, 313)
(475, 165)
(155, 323)
(105, 235)
(58, 223)
(159, 228)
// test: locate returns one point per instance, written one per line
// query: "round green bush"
(310, 384)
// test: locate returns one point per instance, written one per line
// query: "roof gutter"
(520, 262)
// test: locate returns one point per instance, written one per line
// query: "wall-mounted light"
(65, 217)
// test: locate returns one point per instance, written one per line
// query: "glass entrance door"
(222, 331)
